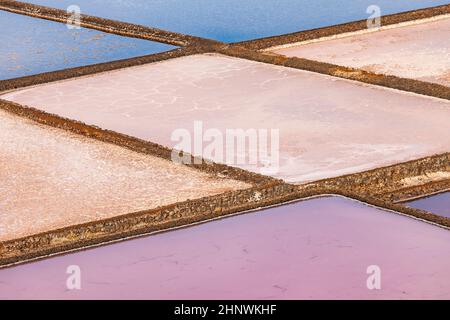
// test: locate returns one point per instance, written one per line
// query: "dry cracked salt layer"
(419, 51)
(438, 204)
(53, 179)
(32, 46)
(327, 126)
(315, 249)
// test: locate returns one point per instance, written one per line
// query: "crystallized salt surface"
(237, 20)
(317, 249)
(438, 204)
(420, 51)
(52, 179)
(31, 46)
(327, 126)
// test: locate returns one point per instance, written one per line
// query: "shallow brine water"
(319, 248)
(418, 51)
(31, 46)
(438, 204)
(237, 20)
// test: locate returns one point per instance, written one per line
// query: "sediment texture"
(417, 51)
(52, 179)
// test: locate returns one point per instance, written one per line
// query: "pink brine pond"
(320, 248)
(326, 126)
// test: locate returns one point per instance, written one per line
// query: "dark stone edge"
(180, 215)
(47, 77)
(177, 215)
(426, 216)
(132, 143)
(385, 180)
(404, 84)
(101, 24)
(244, 50)
(347, 184)
(266, 191)
(274, 41)
(417, 192)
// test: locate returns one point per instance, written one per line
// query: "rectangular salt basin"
(53, 179)
(31, 46)
(438, 204)
(316, 249)
(237, 20)
(327, 126)
(418, 51)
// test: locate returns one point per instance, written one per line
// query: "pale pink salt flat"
(52, 179)
(316, 249)
(328, 126)
(418, 51)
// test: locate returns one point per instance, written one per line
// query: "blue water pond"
(31, 46)
(438, 204)
(237, 20)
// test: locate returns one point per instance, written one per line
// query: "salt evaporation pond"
(237, 20)
(438, 204)
(327, 126)
(418, 51)
(31, 46)
(316, 249)
(53, 179)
